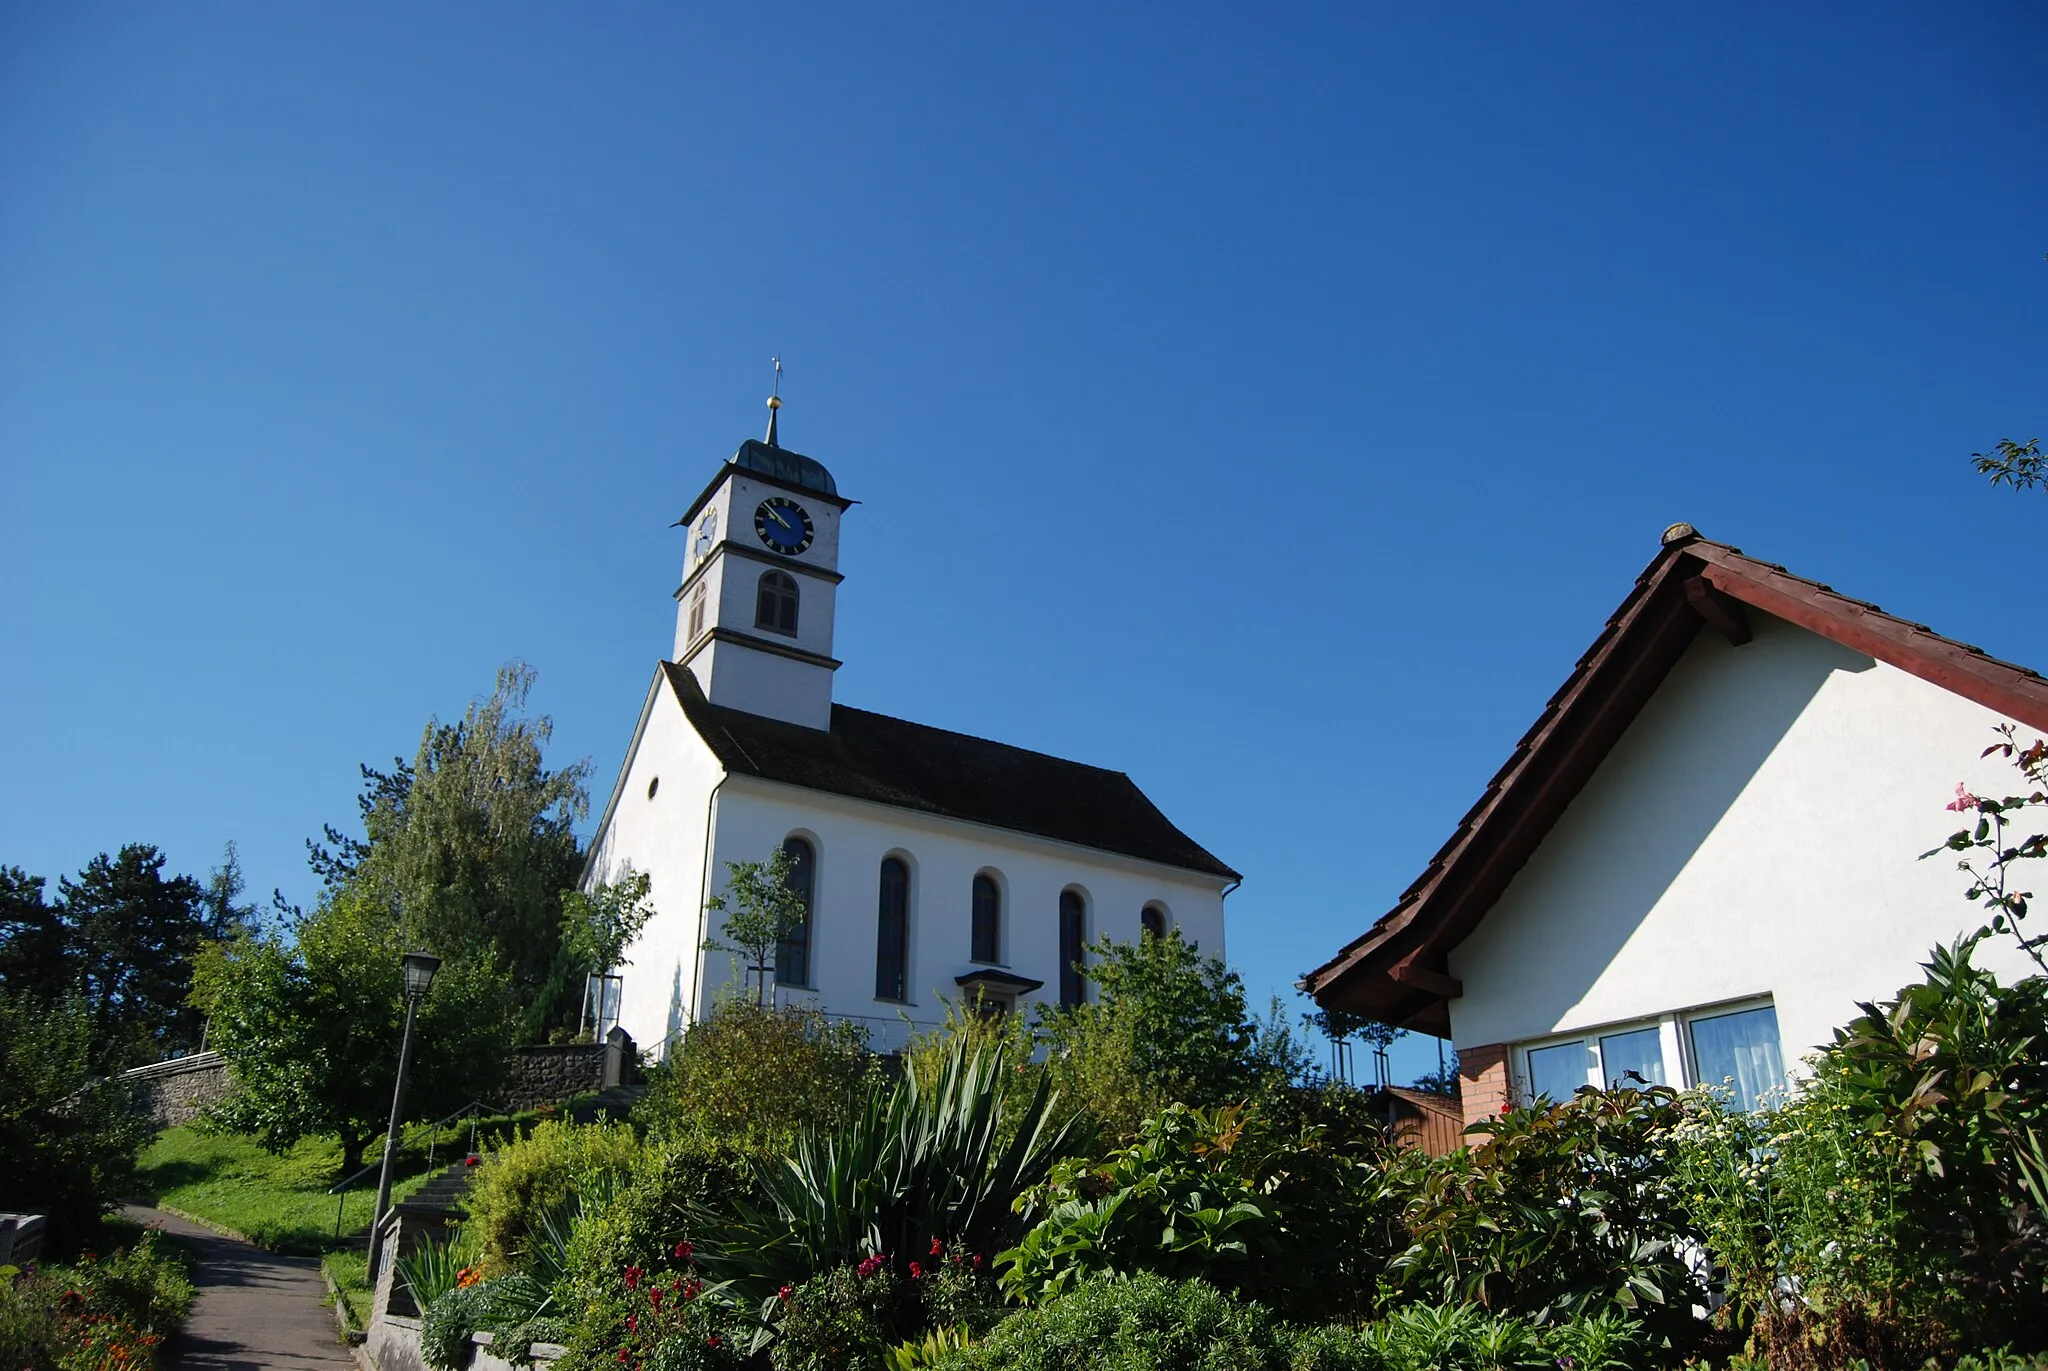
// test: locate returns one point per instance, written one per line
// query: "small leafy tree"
(600, 924)
(311, 1029)
(1992, 847)
(759, 909)
(754, 1076)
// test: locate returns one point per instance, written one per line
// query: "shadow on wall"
(1646, 812)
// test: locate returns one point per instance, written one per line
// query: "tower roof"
(790, 468)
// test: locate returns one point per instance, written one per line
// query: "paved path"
(257, 1311)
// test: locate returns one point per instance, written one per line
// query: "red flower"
(977, 1261)
(654, 1297)
(692, 1290)
(714, 1341)
(915, 1271)
(785, 1293)
(622, 1356)
(632, 1277)
(632, 1323)
(685, 1250)
(937, 1247)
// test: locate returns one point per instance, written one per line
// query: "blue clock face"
(783, 525)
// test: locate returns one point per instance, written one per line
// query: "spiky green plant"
(922, 1165)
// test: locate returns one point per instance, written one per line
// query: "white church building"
(934, 865)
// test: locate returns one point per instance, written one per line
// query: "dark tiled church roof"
(911, 766)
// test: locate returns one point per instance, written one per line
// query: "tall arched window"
(1073, 946)
(793, 953)
(892, 931)
(696, 613)
(775, 603)
(1152, 918)
(988, 919)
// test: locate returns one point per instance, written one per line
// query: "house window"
(775, 603)
(987, 936)
(1073, 941)
(793, 953)
(696, 613)
(1152, 920)
(1734, 1048)
(892, 931)
(1739, 1051)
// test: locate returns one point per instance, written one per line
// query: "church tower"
(754, 611)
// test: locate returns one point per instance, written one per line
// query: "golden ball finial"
(775, 402)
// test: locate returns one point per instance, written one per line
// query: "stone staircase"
(615, 1102)
(443, 1193)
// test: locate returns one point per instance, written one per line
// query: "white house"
(1705, 852)
(934, 864)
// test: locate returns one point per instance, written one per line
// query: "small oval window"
(653, 784)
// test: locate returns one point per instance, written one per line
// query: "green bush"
(68, 1138)
(1143, 1324)
(518, 1182)
(1297, 1222)
(1566, 1209)
(755, 1076)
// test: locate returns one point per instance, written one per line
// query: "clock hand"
(776, 514)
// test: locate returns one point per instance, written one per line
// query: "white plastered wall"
(852, 837)
(1755, 832)
(663, 836)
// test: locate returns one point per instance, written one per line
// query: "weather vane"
(774, 400)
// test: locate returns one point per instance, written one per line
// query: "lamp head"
(419, 973)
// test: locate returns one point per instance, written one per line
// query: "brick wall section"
(174, 1092)
(1483, 1081)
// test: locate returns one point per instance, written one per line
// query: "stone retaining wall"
(551, 1074)
(174, 1092)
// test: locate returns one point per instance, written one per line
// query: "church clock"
(784, 525)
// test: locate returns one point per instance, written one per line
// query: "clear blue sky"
(1268, 403)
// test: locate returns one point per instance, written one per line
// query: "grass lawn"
(350, 1272)
(279, 1200)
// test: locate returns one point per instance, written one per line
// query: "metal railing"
(475, 1111)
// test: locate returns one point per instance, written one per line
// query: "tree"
(68, 1136)
(35, 951)
(598, 926)
(2019, 465)
(471, 843)
(225, 914)
(311, 1028)
(761, 908)
(1168, 1025)
(134, 933)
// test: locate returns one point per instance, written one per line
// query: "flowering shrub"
(101, 1315)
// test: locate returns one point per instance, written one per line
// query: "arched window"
(1073, 946)
(892, 931)
(793, 952)
(988, 919)
(1152, 918)
(696, 613)
(775, 603)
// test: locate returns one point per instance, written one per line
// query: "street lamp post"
(419, 975)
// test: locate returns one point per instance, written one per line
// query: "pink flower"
(1964, 800)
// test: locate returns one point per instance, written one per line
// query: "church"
(933, 866)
